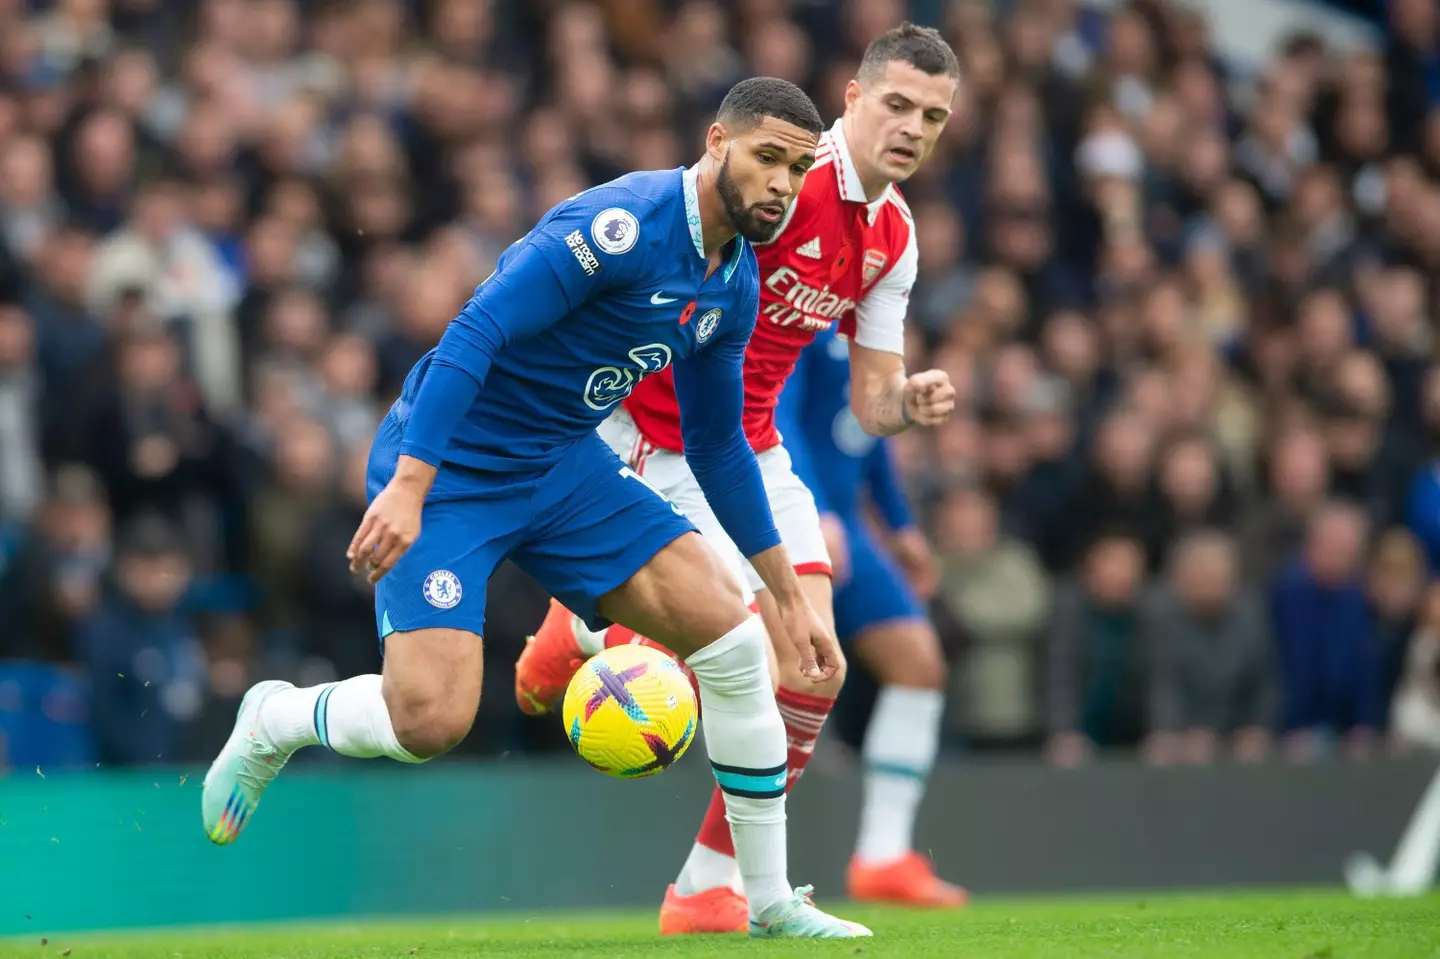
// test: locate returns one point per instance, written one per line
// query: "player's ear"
(716, 139)
(853, 91)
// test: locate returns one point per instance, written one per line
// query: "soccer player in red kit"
(844, 256)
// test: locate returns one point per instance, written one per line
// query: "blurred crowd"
(1190, 506)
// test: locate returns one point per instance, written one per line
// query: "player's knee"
(427, 723)
(931, 670)
(831, 687)
(736, 664)
(910, 655)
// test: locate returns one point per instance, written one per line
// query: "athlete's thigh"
(796, 518)
(682, 597)
(605, 532)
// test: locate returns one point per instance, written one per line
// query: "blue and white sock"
(745, 738)
(899, 750)
(348, 717)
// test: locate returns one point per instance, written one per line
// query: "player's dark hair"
(749, 102)
(921, 47)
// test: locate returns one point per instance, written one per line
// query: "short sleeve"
(880, 317)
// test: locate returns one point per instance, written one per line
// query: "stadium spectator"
(1296, 478)
(54, 575)
(1214, 685)
(995, 593)
(146, 669)
(1115, 492)
(1095, 689)
(1192, 491)
(1322, 625)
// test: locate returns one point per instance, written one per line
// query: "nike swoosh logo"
(659, 300)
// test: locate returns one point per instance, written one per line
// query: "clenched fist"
(929, 398)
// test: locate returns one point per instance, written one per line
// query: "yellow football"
(630, 711)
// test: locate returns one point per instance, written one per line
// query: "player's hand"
(390, 526)
(837, 544)
(912, 552)
(929, 397)
(816, 646)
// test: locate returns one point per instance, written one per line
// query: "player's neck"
(871, 182)
(715, 227)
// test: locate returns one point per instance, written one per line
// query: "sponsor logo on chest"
(791, 301)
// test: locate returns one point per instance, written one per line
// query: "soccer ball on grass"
(630, 711)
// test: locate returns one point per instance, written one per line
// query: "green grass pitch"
(1299, 925)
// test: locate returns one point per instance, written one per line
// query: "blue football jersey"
(609, 287)
(829, 450)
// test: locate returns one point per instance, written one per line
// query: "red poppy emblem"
(688, 312)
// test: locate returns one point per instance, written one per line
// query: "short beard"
(745, 222)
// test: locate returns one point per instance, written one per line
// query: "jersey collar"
(690, 183)
(851, 189)
(737, 252)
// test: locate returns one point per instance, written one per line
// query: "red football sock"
(804, 716)
(618, 635)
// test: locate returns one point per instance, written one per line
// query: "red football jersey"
(836, 259)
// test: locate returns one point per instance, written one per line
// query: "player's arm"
(907, 543)
(882, 397)
(885, 488)
(710, 390)
(554, 270)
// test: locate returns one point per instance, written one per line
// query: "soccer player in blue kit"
(491, 453)
(878, 617)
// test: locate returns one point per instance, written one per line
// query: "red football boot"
(909, 880)
(550, 659)
(715, 910)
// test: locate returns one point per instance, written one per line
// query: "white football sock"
(707, 869)
(591, 642)
(745, 738)
(899, 750)
(349, 717)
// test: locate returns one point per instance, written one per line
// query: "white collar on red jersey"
(851, 189)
